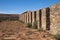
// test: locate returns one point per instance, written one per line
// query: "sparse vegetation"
(57, 36)
(35, 25)
(29, 25)
(18, 30)
(41, 29)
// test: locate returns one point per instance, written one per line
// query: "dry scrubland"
(15, 30)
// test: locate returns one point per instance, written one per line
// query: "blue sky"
(20, 6)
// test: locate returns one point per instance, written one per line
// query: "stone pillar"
(48, 18)
(29, 16)
(38, 18)
(32, 17)
(22, 17)
(55, 18)
(25, 17)
(44, 19)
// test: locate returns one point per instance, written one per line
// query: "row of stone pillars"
(46, 18)
(42, 17)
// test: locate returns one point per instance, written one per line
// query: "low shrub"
(35, 25)
(29, 25)
(41, 29)
(57, 36)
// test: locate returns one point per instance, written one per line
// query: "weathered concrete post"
(23, 18)
(38, 19)
(48, 18)
(32, 17)
(20, 17)
(26, 17)
(44, 19)
(29, 16)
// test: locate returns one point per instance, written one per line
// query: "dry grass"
(18, 31)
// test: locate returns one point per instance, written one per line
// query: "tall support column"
(29, 16)
(48, 18)
(38, 19)
(22, 17)
(32, 17)
(44, 19)
(25, 17)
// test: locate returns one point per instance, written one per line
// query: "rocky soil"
(15, 30)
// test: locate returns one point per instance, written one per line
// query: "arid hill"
(9, 17)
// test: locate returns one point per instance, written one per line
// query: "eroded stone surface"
(55, 18)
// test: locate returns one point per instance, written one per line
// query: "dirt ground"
(15, 30)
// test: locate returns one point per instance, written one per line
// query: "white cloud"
(11, 12)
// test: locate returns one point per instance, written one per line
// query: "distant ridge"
(9, 17)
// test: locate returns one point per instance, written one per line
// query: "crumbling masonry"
(47, 18)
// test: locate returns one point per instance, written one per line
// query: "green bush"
(41, 29)
(29, 25)
(35, 25)
(57, 36)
